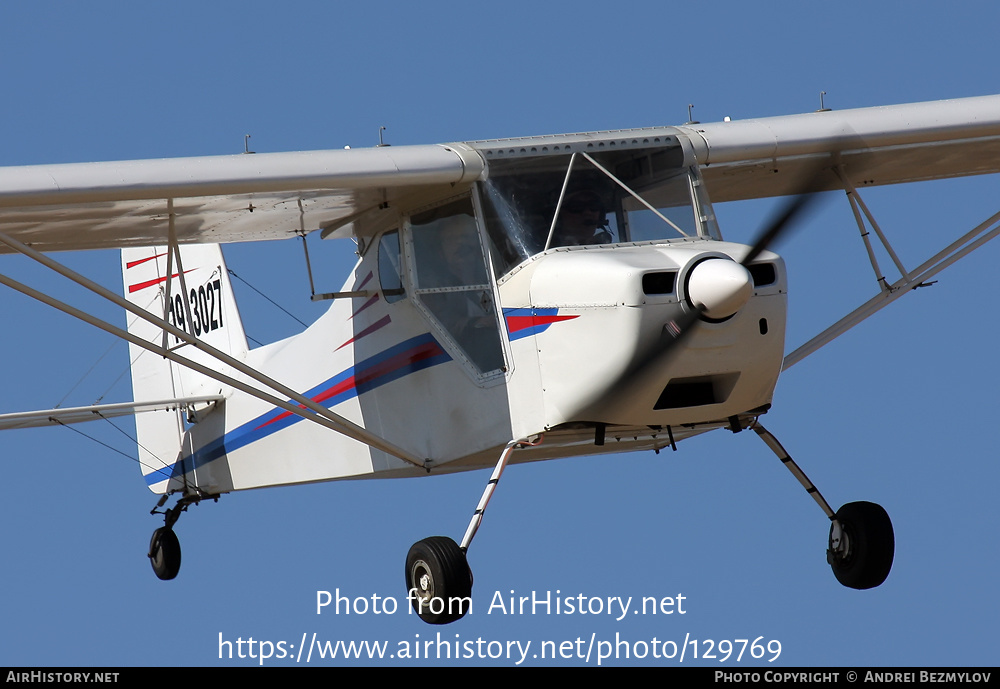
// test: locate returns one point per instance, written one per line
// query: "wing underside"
(220, 199)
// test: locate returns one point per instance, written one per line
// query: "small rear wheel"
(861, 545)
(438, 580)
(165, 553)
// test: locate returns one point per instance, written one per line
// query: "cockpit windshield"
(534, 204)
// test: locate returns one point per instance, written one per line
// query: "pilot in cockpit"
(582, 220)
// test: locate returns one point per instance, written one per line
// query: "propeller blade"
(678, 329)
(781, 222)
(674, 332)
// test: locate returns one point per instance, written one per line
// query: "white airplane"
(514, 300)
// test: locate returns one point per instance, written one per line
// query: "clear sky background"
(901, 411)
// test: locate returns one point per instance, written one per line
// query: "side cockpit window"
(452, 281)
(390, 267)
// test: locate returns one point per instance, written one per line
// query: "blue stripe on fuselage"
(394, 363)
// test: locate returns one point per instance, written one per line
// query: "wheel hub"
(840, 544)
(437, 580)
(421, 575)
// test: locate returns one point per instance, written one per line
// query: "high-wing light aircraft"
(514, 300)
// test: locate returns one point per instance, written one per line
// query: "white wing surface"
(882, 145)
(222, 198)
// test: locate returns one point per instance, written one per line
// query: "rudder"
(207, 310)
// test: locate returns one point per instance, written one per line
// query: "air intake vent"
(762, 274)
(697, 391)
(659, 283)
(686, 394)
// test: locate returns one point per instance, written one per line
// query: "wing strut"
(174, 253)
(857, 206)
(961, 247)
(320, 414)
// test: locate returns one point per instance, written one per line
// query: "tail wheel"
(438, 580)
(165, 553)
(861, 545)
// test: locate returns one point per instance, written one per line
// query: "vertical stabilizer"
(201, 302)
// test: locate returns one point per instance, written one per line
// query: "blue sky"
(901, 411)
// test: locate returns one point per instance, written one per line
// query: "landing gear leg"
(164, 547)
(438, 577)
(861, 545)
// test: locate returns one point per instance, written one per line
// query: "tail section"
(203, 305)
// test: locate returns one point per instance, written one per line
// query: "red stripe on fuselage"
(384, 321)
(424, 351)
(343, 386)
(388, 366)
(515, 323)
(365, 305)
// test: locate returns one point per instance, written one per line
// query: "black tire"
(165, 553)
(438, 580)
(870, 546)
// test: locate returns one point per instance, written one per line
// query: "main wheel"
(864, 561)
(438, 580)
(165, 553)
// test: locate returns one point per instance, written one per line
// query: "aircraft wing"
(221, 199)
(247, 197)
(882, 145)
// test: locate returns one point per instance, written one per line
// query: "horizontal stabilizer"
(67, 415)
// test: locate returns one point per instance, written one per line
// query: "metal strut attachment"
(477, 516)
(171, 515)
(857, 207)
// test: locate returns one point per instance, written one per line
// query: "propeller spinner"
(719, 288)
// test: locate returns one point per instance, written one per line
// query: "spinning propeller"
(718, 288)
